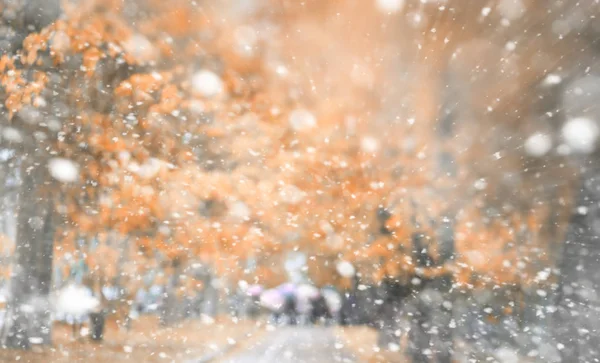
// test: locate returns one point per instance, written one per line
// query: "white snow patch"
(281, 70)
(53, 125)
(206, 319)
(389, 6)
(507, 355)
(511, 9)
(333, 299)
(39, 136)
(291, 194)
(552, 79)
(207, 83)
(239, 210)
(124, 157)
(11, 134)
(63, 170)
(538, 144)
(510, 46)
(301, 119)
(393, 347)
(36, 340)
(369, 144)
(243, 285)
(27, 308)
(76, 301)
(581, 134)
(148, 170)
(542, 275)
(480, 184)
(36, 222)
(474, 257)
(326, 227)
(140, 47)
(30, 115)
(345, 269)
(60, 41)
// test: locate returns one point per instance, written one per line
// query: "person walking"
(290, 309)
(320, 310)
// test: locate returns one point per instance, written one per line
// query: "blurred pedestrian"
(320, 310)
(348, 309)
(290, 309)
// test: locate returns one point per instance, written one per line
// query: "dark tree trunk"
(431, 335)
(29, 309)
(210, 296)
(577, 320)
(28, 318)
(23, 17)
(172, 311)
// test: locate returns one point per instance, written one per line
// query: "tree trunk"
(577, 320)
(28, 317)
(29, 308)
(211, 297)
(26, 16)
(172, 312)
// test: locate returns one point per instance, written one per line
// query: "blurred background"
(303, 181)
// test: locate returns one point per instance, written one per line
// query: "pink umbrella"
(287, 289)
(272, 299)
(307, 292)
(254, 290)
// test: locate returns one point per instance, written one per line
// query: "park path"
(296, 344)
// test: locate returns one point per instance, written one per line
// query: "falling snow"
(581, 134)
(307, 181)
(206, 83)
(389, 6)
(63, 170)
(538, 144)
(302, 119)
